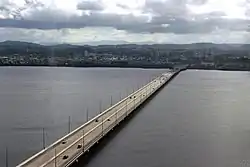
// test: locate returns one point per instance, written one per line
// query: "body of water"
(201, 119)
(33, 98)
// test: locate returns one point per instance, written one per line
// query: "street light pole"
(43, 138)
(87, 114)
(100, 107)
(111, 101)
(69, 124)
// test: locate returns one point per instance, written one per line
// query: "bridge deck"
(67, 149)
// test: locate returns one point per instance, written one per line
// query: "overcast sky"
(135, 21)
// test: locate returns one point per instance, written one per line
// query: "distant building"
(207, 63)
(86, 54)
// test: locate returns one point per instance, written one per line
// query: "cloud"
(154, 16)
(90, 5)
(197, 2)
(108, 35)
(56, 19)
(9, 9)
(122, 6)
(45, 25)
(170, 7)
(38, 36)
(174, 16)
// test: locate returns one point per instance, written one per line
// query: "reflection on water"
(34, 98)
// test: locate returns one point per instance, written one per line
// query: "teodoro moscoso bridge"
(67, 150)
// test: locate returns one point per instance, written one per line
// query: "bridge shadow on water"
(93, 151)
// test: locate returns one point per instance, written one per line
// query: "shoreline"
(128, 66)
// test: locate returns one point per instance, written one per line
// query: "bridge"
(65, 151)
